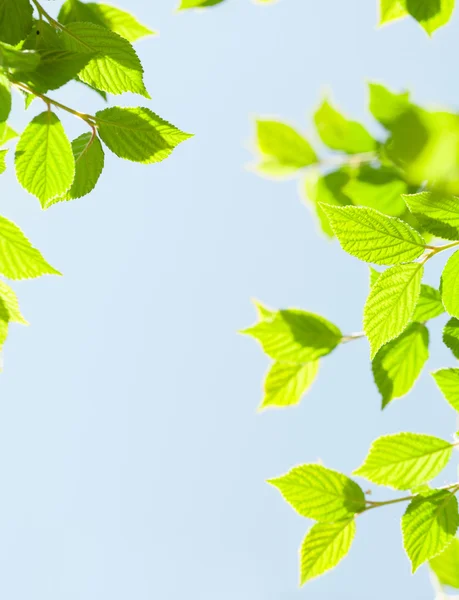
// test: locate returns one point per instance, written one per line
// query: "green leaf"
(6, 134)
(390, 10)
(56, 68)
(399, 363)
(89, 163)
(450, 285)
(115, 67)
(391, 303)
(373, 237)
(296, 336)
(429, 525)
(10, 310)
(284, 150)
(446, 565)
(45, 166)
(386, 106)
(15, 20)
(18, 258)
(119, 21)
(138, 134)
(379, 188)
(3, 154)
(262, 311)
(340, 133)
(429, 304)
(405, 460)
(327, 189)
(15, 60)
(448, 382)
(437, 214)
(430, 15)
(286, 383)
(318, 493)
(451, 336)
(5, 98)
(325, 545)
(198, 3)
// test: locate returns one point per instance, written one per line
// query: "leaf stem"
(42, 12)
(89, 119)
(454, 488)
(436, 249)
(352, 336)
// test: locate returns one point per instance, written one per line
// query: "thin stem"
(435, 250)
(454, 488)
(352, 336)
(42, 12)
(90, 120)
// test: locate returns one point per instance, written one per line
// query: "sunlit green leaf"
(446, 565)
(286, 383)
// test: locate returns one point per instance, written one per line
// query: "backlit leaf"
(286, 383)
(446, 565)
(448, 382)
(450, 285)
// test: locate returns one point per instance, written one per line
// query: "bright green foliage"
(386, 106)
(5, 98)
(262, 311)
(340, 133)
(448, 382)
(327, 189)
(446, 565)
(3, 154)
(437, 214)
(104, 15)
(296, 336)
(429, 304)
(391, 304)
(377, 188)
(374, 237)
(282, 148)
(405, 460)
(10, 305)
(325, 545)
(89, 163)
(286, 383)
(15, 20)
(319, 493)
(138, 134)
(399, 363)
(6, 133)
(451, 336)
(429, 525)
(18, 258)
(115, 66)
(44, 161)
(450, 285)
(430, 14)
(198, 3)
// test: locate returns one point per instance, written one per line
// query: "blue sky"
(132, 459)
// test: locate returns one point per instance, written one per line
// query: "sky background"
(132, 458)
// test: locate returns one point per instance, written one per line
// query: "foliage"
(91, 44)
(390, 201)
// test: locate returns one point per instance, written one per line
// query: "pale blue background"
(132, 460)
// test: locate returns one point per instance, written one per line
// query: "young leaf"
(405, 460)
(198, 3)
(5, 98)
(89, 163)
(385, 106)
(3, 154)
(10, 305)
(399, 363)
(45, 166)
(448, 382)
(373, 237)
(6, 133)
(56, 68)
(429, 304)
(15, 60)
(446, 565)
(263, 312)
(15, 20)
(115, 67)
(138, 134)
(18, 258)
(318, 493)
(327, 189)
(286, 383)
(296, 336)
(391, 304)
(390, 10)
(379, 188)
(284, 150)
(430, 15)
(437, 214)
(450, 285)
(451, 336)
(429, 525)
(340, 133)
(119, 21)
(325, 545)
